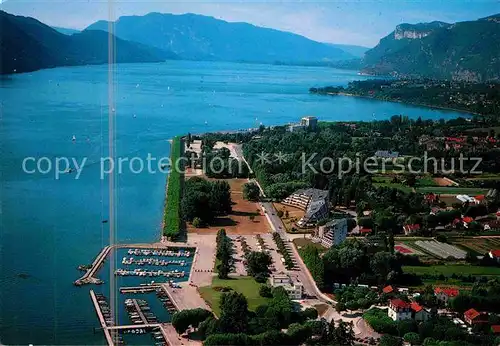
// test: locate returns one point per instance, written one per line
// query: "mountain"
(199, 37)
(461, 51)
(355, 51)
(28, 45)
(66, 31)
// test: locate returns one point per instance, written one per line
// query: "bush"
(197, 222)
(260, 278)
(380, 322)
(265, 291)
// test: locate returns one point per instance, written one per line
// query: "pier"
(102, 321)
(139, 311)
(88, 277)
(140, 289)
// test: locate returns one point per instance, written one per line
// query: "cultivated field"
(471, 191)
(443, 182)
(239, 221)
(479, 246)
(407, 250)
(441, 250)
(448, 270)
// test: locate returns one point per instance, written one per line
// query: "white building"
(294, 288)
(310, 122)
(399, 310)
(313, 201)
(333, 232)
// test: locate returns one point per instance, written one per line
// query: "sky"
(355, 22)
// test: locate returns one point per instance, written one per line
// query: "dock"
(88, 277)
(139, 289)
(139, 311)
(102, 321)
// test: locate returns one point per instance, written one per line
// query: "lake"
(50, 226)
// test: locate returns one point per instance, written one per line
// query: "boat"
(73, 138)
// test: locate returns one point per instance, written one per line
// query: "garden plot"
(441, 250)
(406, 250)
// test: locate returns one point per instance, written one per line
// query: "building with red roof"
(410, 229)
(444, 294)
(399, 310)
(365, 231)
(467, 219)
(418, 313)
(495, 254)
(495, 329)
(480, 198)
(472, 316)
(388, 289)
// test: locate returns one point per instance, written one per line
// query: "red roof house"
(416, 307)
(472, 316)
(388, 289)
(495, 254)
(480, 197)
(365, 231)
(495, 329)
(444, 294)
(409, 229)
(467, 219)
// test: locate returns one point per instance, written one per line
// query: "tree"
(265, 291)
(412, 338)
(208, 327)
(279, 213)
(234, 313)
(258, 263)
(299, 333)
(389, 340)
(197, 222)
(310, 313)
(185, 318)
(251, 191)
(251, 217)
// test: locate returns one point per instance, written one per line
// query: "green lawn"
(471, 191)
(245, 285)
(448, 270)
(398, 186)
(171, 224)
(426, 181)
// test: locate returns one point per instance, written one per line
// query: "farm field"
(479, 246)
(471, 191)
(448, 270)
(405, 249)
(386, 181)
(239, 221)
(441, 250)
(443, 182)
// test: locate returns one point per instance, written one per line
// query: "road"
(276, 224)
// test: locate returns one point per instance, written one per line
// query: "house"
(444, 294)
(494, 254)
(418, 313)
(399, 310)
(410, 229)
(465, 198)
(388, 289)
(313, 201)
(333, 232)
(495, 329)
(479, 198)
(365, 231)
(467, 220)
(293, 287)
(431, 198)
(472, 316)
(385, 154)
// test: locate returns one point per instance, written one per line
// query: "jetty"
(139, 289)
(102, 320)
(88, 277)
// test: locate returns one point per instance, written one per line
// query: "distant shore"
(401, 101)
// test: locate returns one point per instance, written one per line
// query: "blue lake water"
(49, 226)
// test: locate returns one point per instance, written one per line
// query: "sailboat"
(73, 138)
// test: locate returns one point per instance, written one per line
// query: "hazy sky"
(349, 22)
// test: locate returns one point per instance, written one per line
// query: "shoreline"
(402, 102)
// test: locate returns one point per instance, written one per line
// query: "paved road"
(277, 225)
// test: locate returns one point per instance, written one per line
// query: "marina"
(151, 261)
(150, 273)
